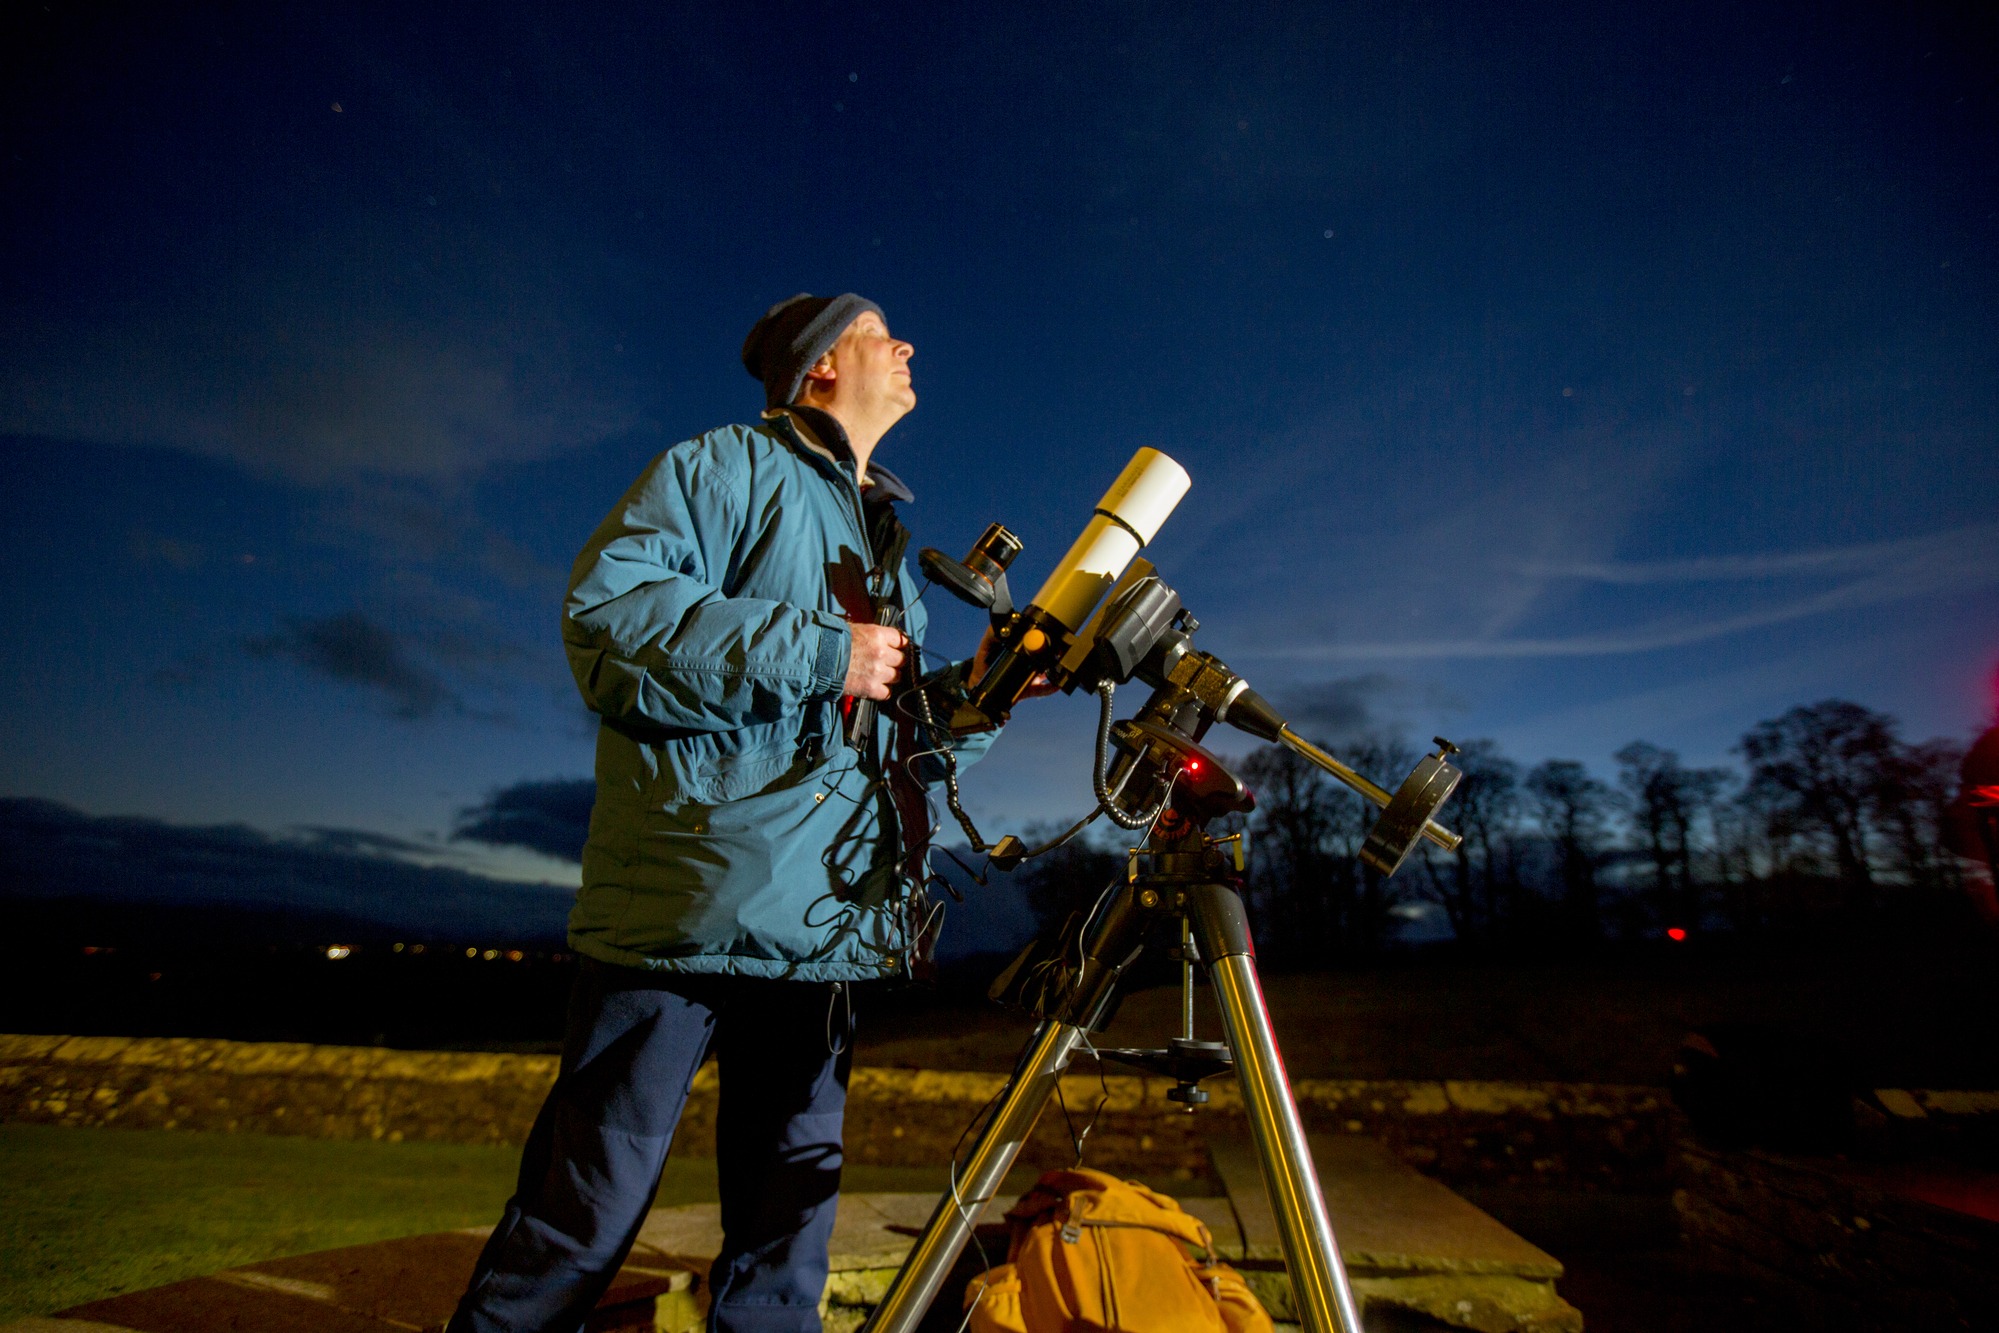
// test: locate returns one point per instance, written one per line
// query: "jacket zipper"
(851, 483)
(848, 480)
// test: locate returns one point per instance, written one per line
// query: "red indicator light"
(1193, 765)
(1675, 933)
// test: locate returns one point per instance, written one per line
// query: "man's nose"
(905, 350)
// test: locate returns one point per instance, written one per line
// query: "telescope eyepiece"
(980, 578)
(993, 552)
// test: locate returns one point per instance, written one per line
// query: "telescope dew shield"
(1129, 516)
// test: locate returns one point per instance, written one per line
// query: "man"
(750, 849)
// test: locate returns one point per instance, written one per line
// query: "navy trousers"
(593, 1159)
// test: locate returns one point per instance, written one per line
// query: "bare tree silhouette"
(1823, 766)
(1571, 807)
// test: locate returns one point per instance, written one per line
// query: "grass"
(90, 1213)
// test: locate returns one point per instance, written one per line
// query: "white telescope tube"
(1129, 516)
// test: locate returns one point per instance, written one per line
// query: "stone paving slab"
(872, 1235)
(871, 1231)
(1388, 1217)
(412, 1284)
(1409, 1243)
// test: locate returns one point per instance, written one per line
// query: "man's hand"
(988, 649)
(875, 661)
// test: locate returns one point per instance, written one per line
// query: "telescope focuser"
(980, 578)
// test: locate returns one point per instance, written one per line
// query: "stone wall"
(1839, 1240)
(328, 1092)
(1577, 1134)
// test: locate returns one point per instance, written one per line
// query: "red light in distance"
(1675, 933)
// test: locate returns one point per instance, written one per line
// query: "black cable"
(952, 798)
(832, 1002)
(950, 760)
(1100, 770)
(1065, 836)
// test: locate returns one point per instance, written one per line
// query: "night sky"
(1567, 376)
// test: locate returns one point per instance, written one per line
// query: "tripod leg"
(1318, 1278)
(950, 1227)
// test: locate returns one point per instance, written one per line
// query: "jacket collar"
(822, 433)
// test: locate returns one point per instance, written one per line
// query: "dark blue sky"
(1567, 375)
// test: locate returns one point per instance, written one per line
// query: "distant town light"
(1676, 933)
(337, 951)
(515, 955)
(471, 953)
(490, 955)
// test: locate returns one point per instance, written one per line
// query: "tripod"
(1187, 883)
(1161, 780)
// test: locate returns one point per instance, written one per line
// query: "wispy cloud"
(1975, 543)
(1702, 713)
(1886, 572)
(430, 524)
(319, 366)
(1373, 702)
(355, 399)
(353, 649)
(1404, 541)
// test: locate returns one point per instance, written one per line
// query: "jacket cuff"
(829, 668)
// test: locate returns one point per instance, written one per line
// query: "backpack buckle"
(1071, 1233)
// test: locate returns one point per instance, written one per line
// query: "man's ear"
(822, 370)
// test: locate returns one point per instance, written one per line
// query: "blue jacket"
(735, 830)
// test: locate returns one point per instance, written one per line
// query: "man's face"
(870, 372)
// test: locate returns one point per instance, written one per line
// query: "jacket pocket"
(714, 768)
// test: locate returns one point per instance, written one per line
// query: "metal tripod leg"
(944, 1236)
(1318, 1277)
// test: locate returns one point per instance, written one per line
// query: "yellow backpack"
(1094, 1254)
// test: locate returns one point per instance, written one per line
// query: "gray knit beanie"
(793, 335)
